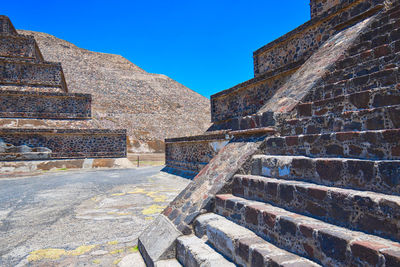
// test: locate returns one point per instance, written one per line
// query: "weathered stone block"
(157, 242)
(44, 105)
(33, 74)
(67, 143)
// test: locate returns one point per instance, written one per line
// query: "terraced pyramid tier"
(46, 74)
(44, 105)
(21, 62)
(19, 47)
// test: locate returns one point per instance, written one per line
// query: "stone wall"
(32, 73)
(259, 120)
(275, 63)
(6, 26)
(44, 105)
(303, 41)
(17, 144)
(18, 46)
(187, 156)
(191, 154)
(248, 97)
(318, 7)
(375, 145)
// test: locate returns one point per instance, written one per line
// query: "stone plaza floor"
(80, 218)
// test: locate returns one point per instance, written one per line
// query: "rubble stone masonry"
(44, 105)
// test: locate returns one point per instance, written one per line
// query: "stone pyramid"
(39, 119)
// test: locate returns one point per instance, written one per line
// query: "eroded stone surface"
(192, 251)
(306, 236)
(80, 218)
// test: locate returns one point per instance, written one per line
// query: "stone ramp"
(312, 71)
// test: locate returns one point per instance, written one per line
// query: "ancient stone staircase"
(322, 187)
(327, 190)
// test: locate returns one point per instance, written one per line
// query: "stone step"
(321, 242)
(367, 75)
(194, 252)
(359, 120)
(44, 105)
(382, 176)
(370, 212)
(165, 263)
(32, 73)
(362, 100)
(381, 144)
(243, 246)
(371, 62)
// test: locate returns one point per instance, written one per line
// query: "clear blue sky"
(206, 45)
